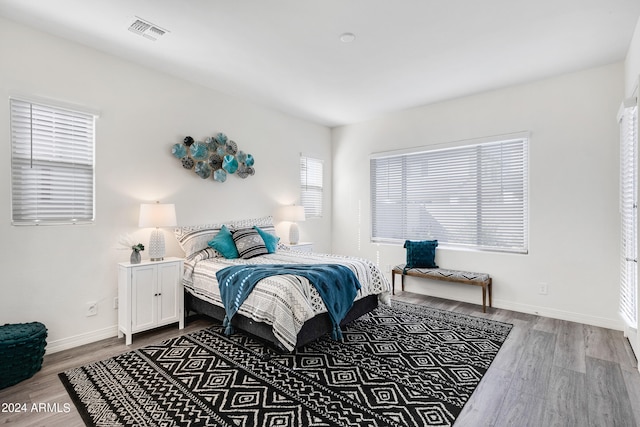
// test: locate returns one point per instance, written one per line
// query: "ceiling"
(287, 54)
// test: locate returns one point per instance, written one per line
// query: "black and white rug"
(403, 365)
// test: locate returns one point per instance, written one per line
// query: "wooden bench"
(476, 279)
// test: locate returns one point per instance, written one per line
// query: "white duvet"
(284, 302)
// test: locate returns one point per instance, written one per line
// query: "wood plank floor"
(548, 373)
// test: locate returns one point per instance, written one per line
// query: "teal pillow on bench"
(421, 254)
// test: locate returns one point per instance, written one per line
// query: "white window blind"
(472, 196)
(52, 164)
(628, 119)
(311, 186)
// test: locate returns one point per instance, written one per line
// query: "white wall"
(49, 273)
(632, 63)
(573, 190)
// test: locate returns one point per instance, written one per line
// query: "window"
(469, 196)
(628, 119)
(52, 164)
(311, 186)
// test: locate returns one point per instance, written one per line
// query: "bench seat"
(467, 277)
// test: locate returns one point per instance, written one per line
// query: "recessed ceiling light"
(347, 37)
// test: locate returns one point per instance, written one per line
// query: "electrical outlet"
(115, 303)
(92, 308)
(543, 288)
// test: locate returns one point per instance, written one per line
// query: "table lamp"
(157, 215)
(293, 214)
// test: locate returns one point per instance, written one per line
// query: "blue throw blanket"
(336, 284)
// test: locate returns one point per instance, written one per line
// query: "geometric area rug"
(401, 365)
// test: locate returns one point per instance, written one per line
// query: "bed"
(285, 310)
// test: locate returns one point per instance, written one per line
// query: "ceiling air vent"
(147, 29)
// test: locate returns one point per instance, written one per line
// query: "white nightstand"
(301, 246)
(149, 295)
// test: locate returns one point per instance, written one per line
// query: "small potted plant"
(135, 255)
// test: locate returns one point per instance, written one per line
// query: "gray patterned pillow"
(249, 243)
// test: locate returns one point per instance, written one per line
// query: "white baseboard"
(616, 324)
(82, 339)
(602, 322)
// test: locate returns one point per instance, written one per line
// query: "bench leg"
(484, 298)
(486, 287)
(393, 282)
(490, 287)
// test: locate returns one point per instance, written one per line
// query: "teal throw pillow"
(223, 243)
(421, 254)
(270, 241)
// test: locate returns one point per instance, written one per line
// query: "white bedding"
(284, 302)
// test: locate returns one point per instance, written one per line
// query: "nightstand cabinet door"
(143, 300)
(170, 296)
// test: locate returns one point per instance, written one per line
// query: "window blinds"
(628, 119)
(471, 196)
(311, 186)
(52, 164)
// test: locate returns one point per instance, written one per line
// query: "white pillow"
(194, 238)
(266, 221)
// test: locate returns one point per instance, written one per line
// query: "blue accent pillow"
(223, 243)
(270, 241)
(421, 254)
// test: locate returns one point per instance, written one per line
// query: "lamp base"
(156, 245)
(294, 234)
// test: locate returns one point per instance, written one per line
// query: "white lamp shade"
(293, 213)
(157, 215)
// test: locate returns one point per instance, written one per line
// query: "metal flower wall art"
(216, 156)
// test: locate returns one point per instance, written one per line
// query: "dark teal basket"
(21, 351)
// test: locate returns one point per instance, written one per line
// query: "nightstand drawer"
(301, 247)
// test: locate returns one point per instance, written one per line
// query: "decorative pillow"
(262, 222)
(249, 243)
(270, 240)
(421, 254)
(223, 243)
(194, 238)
